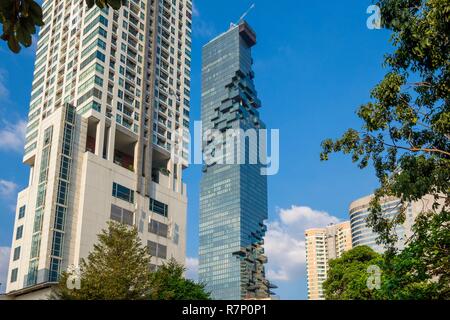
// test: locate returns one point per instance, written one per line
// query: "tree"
(348, 275)
(118, 268)
(422, 269)
(168, 283)
(21, 17)
(406, 128)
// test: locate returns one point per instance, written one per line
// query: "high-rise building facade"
(233, 201)
(106, 137)
(323, 245)
(362, 234)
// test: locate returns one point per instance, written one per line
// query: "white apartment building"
(107, 136)
(322, 245)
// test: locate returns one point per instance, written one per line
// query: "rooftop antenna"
(243, 16)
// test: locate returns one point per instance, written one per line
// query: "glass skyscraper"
(233, 201)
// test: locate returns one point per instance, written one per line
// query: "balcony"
(124, 150)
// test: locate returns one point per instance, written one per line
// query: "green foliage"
(347, 276)
(406, 135)
(406, 126)
(116, 269)
(21, 17)
(422, 269)
(168, 283)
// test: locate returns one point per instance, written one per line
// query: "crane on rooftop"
(243, 16)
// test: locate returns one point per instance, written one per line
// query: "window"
(127, 217)
(22, 212)
(19, 233)
(94, 22)
(95, 55)
(58, 239)
(54, 269)
(90, 106)
(35, 245)
(158, 228)
(62, 192)
(116, 213)
(30, 148)
(123, 193)
(99, 31)
(159, 207)
(89, 71)
(14, 275)
(122, 215)
(99, 43)
(64, 169)
(157, 250)
(94, 92)
(16, 255)
(60, 215)
(90, 82)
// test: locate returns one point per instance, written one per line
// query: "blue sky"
(315, 63)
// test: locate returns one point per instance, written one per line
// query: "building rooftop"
(247, 33)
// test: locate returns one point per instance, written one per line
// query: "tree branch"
(412, 148)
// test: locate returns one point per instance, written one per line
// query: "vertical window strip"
(57, 250)
(31, 278)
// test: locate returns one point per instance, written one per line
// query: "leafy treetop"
(347, 276)
(118, 268)
(20, 19)
(168, 283)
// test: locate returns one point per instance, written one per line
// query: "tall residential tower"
(106, 136)
(233, 201)
(322, 245)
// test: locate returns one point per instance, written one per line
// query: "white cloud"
(305, 217)
(192, 268)
(4, 262)
(7, 188)
(285, 241)
(12, 135)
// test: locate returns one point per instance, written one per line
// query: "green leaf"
(13, 44)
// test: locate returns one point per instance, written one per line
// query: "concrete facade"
(106, 136)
